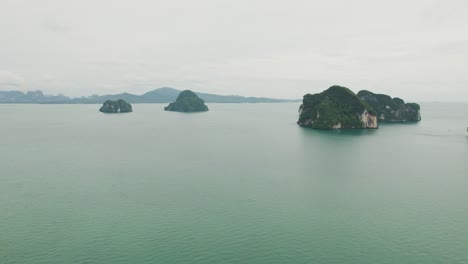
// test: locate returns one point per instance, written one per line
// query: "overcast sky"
(417, 49)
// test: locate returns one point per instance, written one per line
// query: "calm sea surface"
(239, 184)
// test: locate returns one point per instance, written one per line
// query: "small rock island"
(391, 109)
(119, 106)
(336, 108)
(187, 102)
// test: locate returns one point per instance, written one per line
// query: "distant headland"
(160, 95)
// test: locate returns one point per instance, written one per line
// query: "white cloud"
(56, 26)
(249, 47)
(10, 80)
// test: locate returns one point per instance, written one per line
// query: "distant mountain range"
(161, 95)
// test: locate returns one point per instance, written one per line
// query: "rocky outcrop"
(119, 106)
(391, 109)
(336, 108)
(187, 101)
(370, 120)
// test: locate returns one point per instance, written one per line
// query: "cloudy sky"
(417, 50)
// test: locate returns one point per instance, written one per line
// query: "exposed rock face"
(369, 120)
(391, 109)
(119, 106)
(336, 108)
(187, 101)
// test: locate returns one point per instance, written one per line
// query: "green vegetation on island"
(187, 101)
(336, 108)
(119, 106)
(391, 109)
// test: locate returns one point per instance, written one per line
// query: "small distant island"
(340, 108)
(187, 102)
(118, 106)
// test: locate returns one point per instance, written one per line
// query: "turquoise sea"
(239, 184)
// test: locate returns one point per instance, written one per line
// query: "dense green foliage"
(119, 106)
(391, 109)
(187, 101)
(336, 105)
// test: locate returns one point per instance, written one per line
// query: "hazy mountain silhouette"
(160, 95)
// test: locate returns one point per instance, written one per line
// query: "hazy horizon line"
(213, 93)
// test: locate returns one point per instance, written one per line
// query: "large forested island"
(188, 102)
(118, 106)
(336, 108)
(340, 108)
